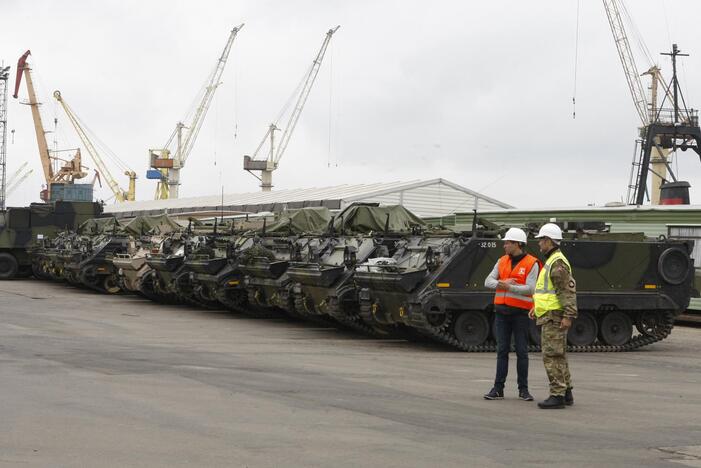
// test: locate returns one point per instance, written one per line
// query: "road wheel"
(471, 328)
(111, 284)
(650, 323)
(583, 331)
(616, 329)
(8, 266)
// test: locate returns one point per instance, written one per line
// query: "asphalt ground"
(95, 380)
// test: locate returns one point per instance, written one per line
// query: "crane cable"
(576, 56)
(328, 161)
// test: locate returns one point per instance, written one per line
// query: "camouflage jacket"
(565, 288)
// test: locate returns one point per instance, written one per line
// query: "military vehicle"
(323, 284)
(89, 262)
(158, 282)
(295, 235)
(146, 233)
(436, 285)
(48, 256)
(213, 273)
(21, 228)
(380, 270)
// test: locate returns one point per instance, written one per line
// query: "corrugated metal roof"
(428, 203)
(632, 216)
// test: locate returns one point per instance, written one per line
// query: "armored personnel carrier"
(22, 228)
(213, 271)
(295, 235)
(624, 282)
(146, 233)
(323, 284)
(89, 262)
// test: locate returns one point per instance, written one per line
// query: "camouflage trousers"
(553, 342)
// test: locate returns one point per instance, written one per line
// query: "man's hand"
(531, 314)
(506, 284)
(566, 323)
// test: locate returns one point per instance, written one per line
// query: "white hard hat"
(516, 235)
(550, 230)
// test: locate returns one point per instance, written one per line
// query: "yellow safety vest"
(544, 297)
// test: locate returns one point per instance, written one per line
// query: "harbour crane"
(166, 162)
(72, 169)
(267, 163)
(648, 111)
(120, 194)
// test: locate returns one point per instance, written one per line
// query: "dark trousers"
(506, 326)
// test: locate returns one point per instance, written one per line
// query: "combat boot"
(569, 399)
(553, 402)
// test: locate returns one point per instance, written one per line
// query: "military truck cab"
(23, 228)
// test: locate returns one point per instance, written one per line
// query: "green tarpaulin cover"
(365, 219)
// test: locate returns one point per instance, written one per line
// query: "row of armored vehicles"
(377, 270)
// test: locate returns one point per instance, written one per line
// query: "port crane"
(120, 194)
(71, 169)
(268, 162)
(166, 162)
(657, 140)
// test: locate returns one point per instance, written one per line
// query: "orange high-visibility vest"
(519, 273)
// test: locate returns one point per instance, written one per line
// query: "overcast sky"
(479, 93)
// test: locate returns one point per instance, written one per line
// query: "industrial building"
(425, 198)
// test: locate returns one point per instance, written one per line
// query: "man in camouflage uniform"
(555, 307)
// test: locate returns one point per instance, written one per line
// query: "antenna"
(222, 203)
(474, 223)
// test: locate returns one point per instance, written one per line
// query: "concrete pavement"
(95, 380)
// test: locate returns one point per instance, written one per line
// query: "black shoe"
(494, 394)
(524, 395)
(553, 402)
(569, 399)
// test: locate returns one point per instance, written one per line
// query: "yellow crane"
(120, 194)
(72, 169)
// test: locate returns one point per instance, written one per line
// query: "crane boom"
(212, 85)
(303, 95)
(630, 70)
(44, 155)
(119, 194)
(170, 164)
(270, 163)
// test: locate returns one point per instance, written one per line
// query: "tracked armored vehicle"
(323, 284)
(295, 235)
(146, 233)
(624, 282)
(89, 261)
(213, 271)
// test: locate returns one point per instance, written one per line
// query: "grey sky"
(475, 92)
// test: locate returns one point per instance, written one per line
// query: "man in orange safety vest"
(514, 278)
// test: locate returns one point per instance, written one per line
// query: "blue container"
(154, 174)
